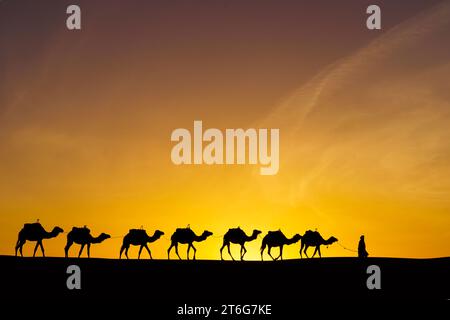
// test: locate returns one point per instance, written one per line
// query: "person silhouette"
(362, 252)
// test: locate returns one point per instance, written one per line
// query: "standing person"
(362, 253)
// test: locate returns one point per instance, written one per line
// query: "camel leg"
(301, 249)
(243, 252)
(16, 247)
(121, 251)
(42, 248)
(225, 244)
(126, 251)
(195, 250)
(270, 254)
(19, 246)
(81, 250)
(89, 250)
(67, 247)
(35, 249)
(315, 251)
(140, 250)
(189, 249)
(281, 253)
(176, 251)
(149, 252)
(306, 254)
(229, 251)
(221, 249)
(318, 250)
(168, 251)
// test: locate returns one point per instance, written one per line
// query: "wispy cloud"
(376, 120)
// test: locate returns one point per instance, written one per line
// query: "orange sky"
(86, 118)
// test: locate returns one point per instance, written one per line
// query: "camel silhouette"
(186, 236)
(314, 239)
(237, 236)
(35, 232)
(83, 237)
(139, 237)
(277, 239)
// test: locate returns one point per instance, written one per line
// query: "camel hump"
(83, 230)
(137, 232)
(184, 232)
(32, 227)
(312, 234)
(275, 234)
(235, 232)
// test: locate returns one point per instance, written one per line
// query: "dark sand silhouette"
(203, 281)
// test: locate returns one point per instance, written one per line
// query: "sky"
(86, 118)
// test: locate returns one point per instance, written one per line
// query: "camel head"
(296, 238)
(104, 236)
(331, 240)
(57, 230)
(256, 232)
(206, 234)
(158, 233)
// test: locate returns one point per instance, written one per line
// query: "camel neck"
(48, 235)
(251, 237)
(199, 238)
(154, 237)
(291, 240)
(96, 239)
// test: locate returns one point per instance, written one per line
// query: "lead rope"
(164, 237)
(116, 237)
(346, 247)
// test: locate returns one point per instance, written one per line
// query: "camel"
(314, 239)
(35, 232)
(277, 239)
(186, 236)
(139, 237)
(83, 237)
(237, 236)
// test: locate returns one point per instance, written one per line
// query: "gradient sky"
(86, 118)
